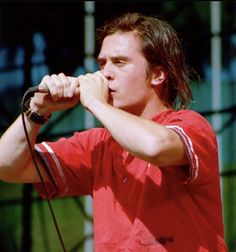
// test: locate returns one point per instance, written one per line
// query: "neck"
(152, 109)
(149, 109)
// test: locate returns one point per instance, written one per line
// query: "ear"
(158, 75)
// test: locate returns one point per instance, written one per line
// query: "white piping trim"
(191, 152)
(57, 163)
(40, 151)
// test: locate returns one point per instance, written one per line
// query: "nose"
(107, 71)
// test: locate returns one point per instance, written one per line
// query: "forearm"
(15, 159)
(142, 138)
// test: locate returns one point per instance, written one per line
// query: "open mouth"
(111, 91)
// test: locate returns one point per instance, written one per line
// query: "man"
(153, 169)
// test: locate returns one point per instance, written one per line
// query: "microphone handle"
(37, 89)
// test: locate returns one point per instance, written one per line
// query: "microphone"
(37, 89)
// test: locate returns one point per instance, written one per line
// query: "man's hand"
(63, 93)
(93, 87)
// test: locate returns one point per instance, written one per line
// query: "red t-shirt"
(137, 206)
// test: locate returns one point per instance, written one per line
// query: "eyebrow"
(113, 58)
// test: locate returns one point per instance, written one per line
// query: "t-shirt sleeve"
(200, 143)
(69, 163)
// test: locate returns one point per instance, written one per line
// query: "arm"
(141, 137)
(16, 164)
(15, 160)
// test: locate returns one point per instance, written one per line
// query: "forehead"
(120, 43)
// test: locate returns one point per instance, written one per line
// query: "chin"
(121, 106)
(117, 105)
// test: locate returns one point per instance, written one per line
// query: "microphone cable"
(29, 93)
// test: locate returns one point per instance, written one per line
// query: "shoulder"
(184, 118)
(186, 114)
(188, 122)
(195, 120)
(199, 140)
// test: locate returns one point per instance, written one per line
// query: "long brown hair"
(160, 45)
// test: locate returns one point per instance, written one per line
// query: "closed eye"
(101, 63)
(119, 62)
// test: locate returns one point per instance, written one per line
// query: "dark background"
(62, 25)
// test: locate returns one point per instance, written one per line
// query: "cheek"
(135, 92)
(136, 78)
(132, 81)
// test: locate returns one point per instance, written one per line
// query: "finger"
(66, 84)
(59, 86)
(43, 84)
(73, 88)
(89, 76)
(81, 79)
(101, 75)
(48, 84)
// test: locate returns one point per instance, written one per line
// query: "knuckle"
(45, 78)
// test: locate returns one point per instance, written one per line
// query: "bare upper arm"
(172, 151)
(28, 173)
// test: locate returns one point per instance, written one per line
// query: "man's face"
(124, 66)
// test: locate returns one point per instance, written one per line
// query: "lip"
(111, 91)
(111, 94)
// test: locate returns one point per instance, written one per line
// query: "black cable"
(28, 94)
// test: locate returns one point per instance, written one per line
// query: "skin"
(121, 93)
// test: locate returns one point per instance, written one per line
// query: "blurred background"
(39, 38)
